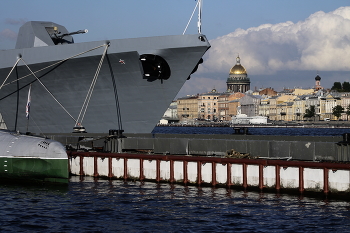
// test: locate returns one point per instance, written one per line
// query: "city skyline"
(282, 55)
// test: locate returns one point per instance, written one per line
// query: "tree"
(310, 112)
(337, 111)
(346, 86)
(337, 86)
(347, 112)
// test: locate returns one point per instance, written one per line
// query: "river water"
(98, 205)
(118, 206)
(254, 131)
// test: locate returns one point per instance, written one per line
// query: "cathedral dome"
(238, 68)
(238, 80)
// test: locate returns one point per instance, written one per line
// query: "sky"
(282, 44)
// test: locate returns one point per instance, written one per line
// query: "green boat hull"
(19, 168)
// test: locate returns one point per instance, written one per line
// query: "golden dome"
(238, 68)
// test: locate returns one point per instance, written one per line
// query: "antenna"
(199, 24)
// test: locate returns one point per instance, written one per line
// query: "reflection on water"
(102, 205)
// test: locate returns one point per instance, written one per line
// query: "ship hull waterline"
(34, 169)
(26, 157)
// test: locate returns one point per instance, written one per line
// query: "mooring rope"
(17, 103)
(117, 105)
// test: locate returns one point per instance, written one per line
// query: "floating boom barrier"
(262, 174)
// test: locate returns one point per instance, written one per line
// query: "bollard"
(346, 137)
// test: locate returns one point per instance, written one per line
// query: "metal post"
(158, 170)
(229, 182)
(185, 172)
(245, 183)
(81, 163)
(110, 165)
(261, 177)
(199, 172)
(171, 171)
(125, 168)
(141, 170)
(325, 180)
(95, 167)
(213, 173)
(301, 179)
(278, 177)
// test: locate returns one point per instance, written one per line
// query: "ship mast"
(199, 24)
(199, 16)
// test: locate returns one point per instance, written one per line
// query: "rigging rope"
(37, 126)
(190, 18)
(10, 72)
(48, 90)
(91, 89)
(89, 94)
(61, 61)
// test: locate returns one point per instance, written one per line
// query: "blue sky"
(262, 32)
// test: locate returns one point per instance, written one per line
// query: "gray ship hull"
(25, 158)
(122, 97)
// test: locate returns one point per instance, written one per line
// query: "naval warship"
(122, 84)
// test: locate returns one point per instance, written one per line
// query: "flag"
(28, 103)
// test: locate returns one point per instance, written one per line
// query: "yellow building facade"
(187, 108)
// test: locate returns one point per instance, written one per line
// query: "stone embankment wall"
(305, 148)
(274, 147)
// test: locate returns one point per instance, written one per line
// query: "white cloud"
(321, 42)
(15, 21)
(198, 85)
(8, 34)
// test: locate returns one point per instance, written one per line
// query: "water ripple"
(107, 206)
